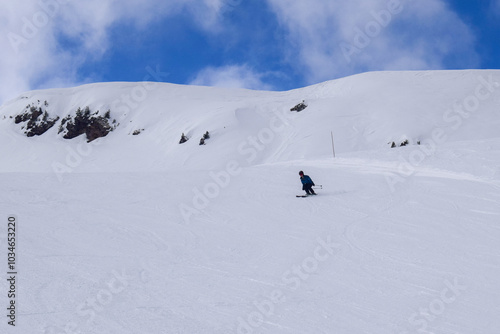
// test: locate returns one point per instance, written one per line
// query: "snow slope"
(138, 234)
(364, 112)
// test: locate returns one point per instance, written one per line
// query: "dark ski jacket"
(306, 180)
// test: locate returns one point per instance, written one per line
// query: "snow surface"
(138, 234)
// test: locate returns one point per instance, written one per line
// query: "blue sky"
(258, 44)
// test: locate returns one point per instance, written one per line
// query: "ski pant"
(308, 188)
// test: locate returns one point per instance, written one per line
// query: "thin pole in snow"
(333, 146)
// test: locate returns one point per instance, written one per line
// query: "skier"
(307, 183)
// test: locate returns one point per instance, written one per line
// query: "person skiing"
(307, 183)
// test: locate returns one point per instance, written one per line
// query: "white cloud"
(336, 38)
(234, 76)
(33, 34)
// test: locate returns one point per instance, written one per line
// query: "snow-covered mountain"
(364, 112)
(121, 229)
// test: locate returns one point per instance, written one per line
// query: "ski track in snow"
(397, 250)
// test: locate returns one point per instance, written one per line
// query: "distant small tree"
(183, 139)
(299, 107)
